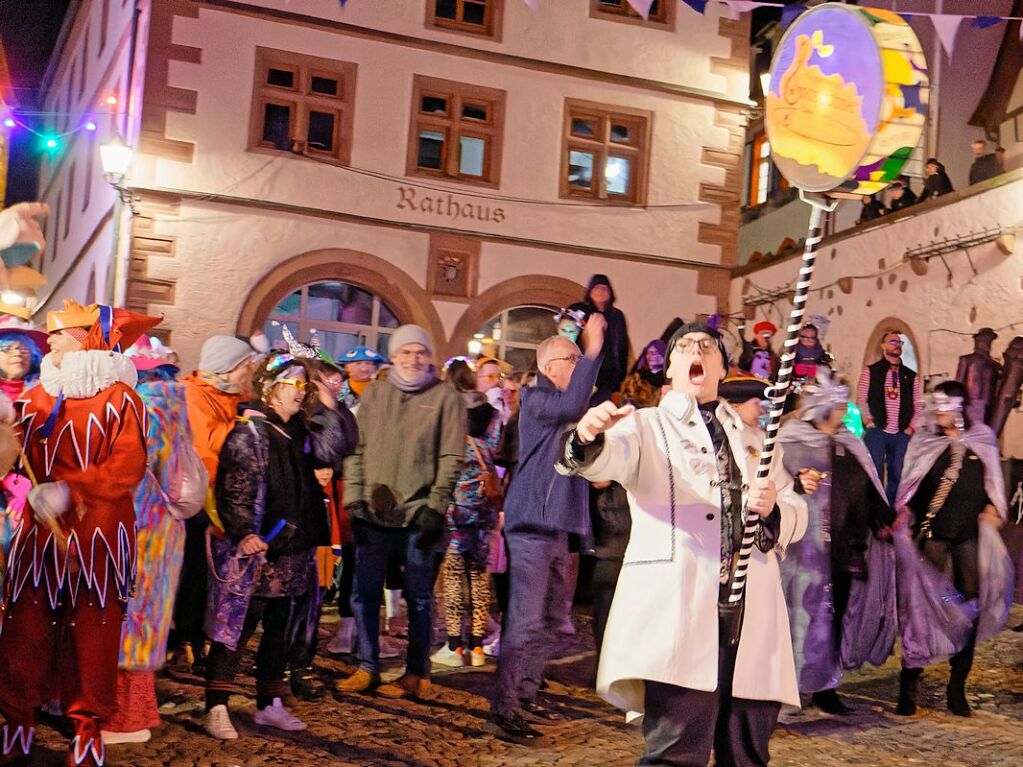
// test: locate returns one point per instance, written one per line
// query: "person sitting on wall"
(936, 182)
(757, 355)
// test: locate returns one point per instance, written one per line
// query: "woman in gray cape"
(954, 574)
(839, 580)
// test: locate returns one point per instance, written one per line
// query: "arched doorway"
(910, 350)
(514, 334)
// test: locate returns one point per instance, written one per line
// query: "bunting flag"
(697, 5)
(983, 22)
(946, 28)
(735, 7)
(642, 7)
(532, 4)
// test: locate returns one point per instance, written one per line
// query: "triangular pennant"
(697, 5)
(532, 4)
(735, 7)
(983, 22)
(642, 7)
(946, 28)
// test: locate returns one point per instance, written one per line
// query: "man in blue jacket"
(541, 510)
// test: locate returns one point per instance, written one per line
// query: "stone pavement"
(448, 730)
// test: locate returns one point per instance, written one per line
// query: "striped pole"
(778, 392)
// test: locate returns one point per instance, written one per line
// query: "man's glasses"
(572, 359)
(689, 344)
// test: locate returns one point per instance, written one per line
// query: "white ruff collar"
(84, 374)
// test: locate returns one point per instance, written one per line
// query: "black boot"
(909, 684)
(829, 702)
(961, 663)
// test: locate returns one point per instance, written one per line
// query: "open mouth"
(696, 373)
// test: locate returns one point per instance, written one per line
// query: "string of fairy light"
(49, 139)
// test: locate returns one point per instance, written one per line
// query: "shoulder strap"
(479, 457)
(948, 479)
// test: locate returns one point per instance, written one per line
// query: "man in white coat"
(670, 651)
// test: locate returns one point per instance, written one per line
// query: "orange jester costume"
(72, 560)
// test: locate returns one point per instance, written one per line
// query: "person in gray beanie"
(212, 396)
(398, 485)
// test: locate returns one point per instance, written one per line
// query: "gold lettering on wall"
(448, 206)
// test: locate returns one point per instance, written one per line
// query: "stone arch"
(409, 302)
(872, 352)
(527, 289)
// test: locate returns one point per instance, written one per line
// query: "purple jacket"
(539, 498)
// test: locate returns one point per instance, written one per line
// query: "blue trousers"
(374, 546)
(888, 452)
(536, 607)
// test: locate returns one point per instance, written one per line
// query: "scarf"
(358, 387)
(218, 382)
(424, 380)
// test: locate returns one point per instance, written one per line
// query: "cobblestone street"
(448, 731)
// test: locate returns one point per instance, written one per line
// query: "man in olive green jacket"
(397, 488)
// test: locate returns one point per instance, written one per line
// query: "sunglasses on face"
(298, 383)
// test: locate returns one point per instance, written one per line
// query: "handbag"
(490, 483)
(185, 482)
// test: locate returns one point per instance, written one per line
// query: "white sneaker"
(445, 656)
(341, 643)
(218, 724)
(493, 649)
(388, 647)
(138, 736)
(276, 715)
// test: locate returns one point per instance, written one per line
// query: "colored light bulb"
(90, 126)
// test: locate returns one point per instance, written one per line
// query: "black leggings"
(961, 556)
(605, 578)
(345, 580)
(271, 659)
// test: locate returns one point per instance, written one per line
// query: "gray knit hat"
(409, 334)
(222, 354)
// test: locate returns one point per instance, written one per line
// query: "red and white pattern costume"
(66, 590)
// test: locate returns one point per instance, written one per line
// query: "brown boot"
(406, 686)
(360, 681)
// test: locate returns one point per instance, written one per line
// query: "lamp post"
(115, 157)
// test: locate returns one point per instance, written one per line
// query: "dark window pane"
(583, 127)
(434, 105)
(383, 341)
(336, 344)
(339, 302)
(616, 175)
(277, 126)
(387, 318)
(321, 131)
(447, 9)
(521, 360)
(470, 158)
(580, 170)
(431, 148)
(623, 134)
(528, 324)
(613, 3)
(474, 13)
(474, 111)
(282, 78)
(324, 85)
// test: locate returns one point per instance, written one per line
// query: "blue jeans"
(888, 452)
(536, 607)
(373, 548)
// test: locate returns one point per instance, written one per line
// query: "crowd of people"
(985, 165)
(149, 517)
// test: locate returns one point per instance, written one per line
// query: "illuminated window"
(605, 152)
(456, 131)
(515, 334)
(343, 316)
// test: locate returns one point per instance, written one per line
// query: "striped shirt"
(891, 404)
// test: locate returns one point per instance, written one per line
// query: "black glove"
(359, 510)
(431, 527)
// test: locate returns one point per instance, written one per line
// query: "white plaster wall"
(223, 252)
(66, 263)
(932, 304)
(531, 153)
(560, 31)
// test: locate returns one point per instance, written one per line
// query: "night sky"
(28, 31)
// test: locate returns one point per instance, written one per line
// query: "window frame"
(301, 101)
(457, 94)
(664, 20)
(755, 163)
(605, 115)
(493, 24)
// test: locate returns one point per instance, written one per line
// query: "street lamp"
(115, 156)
